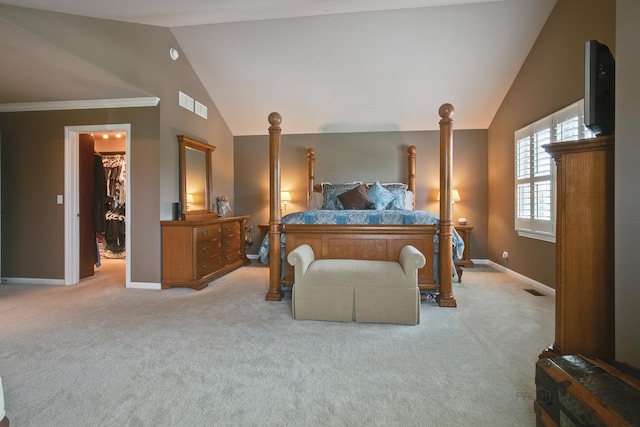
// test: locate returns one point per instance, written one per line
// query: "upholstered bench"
(4, 421)
(360, 290)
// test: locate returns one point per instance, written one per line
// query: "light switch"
(59, 199)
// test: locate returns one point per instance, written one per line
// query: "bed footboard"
(368, 242)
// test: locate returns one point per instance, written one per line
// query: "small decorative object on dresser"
(194, 252)
(223, 206)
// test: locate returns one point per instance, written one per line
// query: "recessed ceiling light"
(174, 54)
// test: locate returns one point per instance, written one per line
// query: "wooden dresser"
(194, 252)
(584, 248)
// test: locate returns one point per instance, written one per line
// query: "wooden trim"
(445, 273)
(86, 104)
(411, 174)
(275, 270)
(311, 173)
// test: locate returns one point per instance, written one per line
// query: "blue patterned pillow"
(330, 193)
(381, 196)
(399, 191)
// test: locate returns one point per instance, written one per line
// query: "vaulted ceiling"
(326, 65)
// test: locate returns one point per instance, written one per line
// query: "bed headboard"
(311, 172)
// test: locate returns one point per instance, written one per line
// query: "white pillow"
(315, 201)
(409, 200)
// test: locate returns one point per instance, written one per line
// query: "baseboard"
(145, 285)
(541, 287)
(30, 281)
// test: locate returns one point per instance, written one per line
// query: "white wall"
(627, 205)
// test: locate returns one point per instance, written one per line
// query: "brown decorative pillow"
(356, 198)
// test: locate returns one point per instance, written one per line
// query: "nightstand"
(465, 233)
(264, 230)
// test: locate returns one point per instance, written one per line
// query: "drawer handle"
(228, 228)
(228, 243)
(204, 266)
(205, 248)
(204, 232)
(228, 257)
(219, 230)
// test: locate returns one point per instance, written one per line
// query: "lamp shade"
(189, 198)
(455, 196)
(285, 196)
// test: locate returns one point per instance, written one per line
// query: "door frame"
(72, 199)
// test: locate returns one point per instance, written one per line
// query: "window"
(535, 170)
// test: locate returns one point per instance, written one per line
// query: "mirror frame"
(184, 143)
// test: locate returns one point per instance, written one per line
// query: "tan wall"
(366, 157)
(139, 55)
(627, 298)
(551, 78)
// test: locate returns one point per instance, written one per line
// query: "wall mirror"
(196, 178)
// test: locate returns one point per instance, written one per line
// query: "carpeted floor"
(97, 354)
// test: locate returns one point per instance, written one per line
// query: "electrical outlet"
(505, 254)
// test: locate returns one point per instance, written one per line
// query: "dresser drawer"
(229, 243)
(208, 248)
(230, 256)
(209, 265)
(208, 232)
(231, 229)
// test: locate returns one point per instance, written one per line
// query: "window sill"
(539, 236)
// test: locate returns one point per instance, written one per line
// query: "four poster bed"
(371, 221)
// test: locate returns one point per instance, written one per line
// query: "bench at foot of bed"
(356, 290)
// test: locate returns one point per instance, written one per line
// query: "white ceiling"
(325, 65)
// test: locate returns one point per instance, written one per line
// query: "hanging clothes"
(114, 166)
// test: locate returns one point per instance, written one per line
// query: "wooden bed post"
(411, 182)
(445, 271)
(275, 264)
(311, 173)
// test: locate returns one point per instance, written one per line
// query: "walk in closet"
(110, 195)
(113, 241)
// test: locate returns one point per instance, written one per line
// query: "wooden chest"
(579, 391)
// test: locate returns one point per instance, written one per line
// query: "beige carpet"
(96, 354)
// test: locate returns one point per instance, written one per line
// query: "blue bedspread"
(402, 217)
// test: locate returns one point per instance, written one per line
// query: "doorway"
(72, 191)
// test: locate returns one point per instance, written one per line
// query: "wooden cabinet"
(584, 248)
(194, 252)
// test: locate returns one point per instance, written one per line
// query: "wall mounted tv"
(599, 88)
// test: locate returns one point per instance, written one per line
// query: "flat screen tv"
(599, 88)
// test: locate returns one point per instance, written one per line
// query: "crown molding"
(88, 104)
